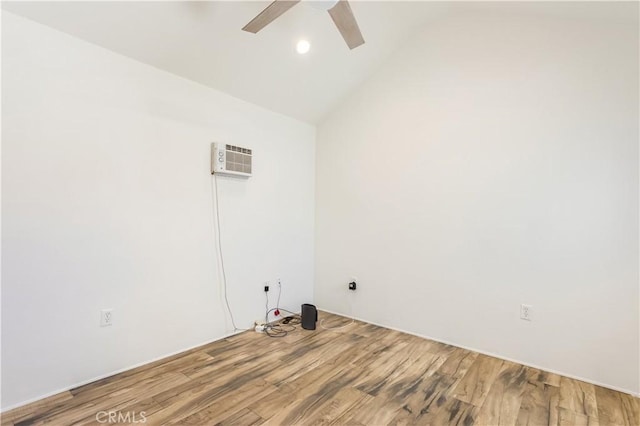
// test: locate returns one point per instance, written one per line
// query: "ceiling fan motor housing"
(321, 4)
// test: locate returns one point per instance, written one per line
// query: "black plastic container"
(309, 316)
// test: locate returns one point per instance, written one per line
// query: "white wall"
(106, 203)
(493, 161)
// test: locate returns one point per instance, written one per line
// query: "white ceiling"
(203, 41)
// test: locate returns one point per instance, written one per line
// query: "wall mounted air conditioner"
(230, 160)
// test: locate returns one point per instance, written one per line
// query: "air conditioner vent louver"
(231, 160)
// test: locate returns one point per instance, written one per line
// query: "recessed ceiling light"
(303, 47)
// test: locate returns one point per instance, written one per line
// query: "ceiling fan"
(340, 12)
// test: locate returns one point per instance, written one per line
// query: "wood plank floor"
(359, 375)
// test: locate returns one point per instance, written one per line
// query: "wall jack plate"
(106, 317)
(525, 312)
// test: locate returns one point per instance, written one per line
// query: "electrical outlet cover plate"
(106, 317)
(525, 312)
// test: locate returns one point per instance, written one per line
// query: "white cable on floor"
(353, 320)
(336, 328)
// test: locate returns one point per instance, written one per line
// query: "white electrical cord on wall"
(216, 210)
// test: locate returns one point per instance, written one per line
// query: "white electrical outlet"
(525, 312)
(106, 317)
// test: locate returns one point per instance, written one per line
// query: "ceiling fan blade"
(273, 11)
(345, 21)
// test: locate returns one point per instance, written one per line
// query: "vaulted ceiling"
(203, 41)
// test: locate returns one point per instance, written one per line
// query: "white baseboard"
(582, 379)
(104, 376)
